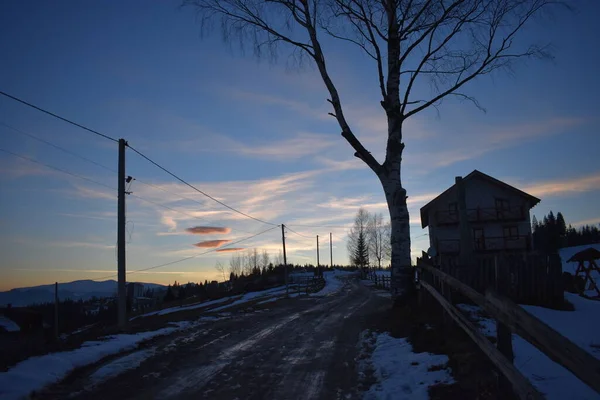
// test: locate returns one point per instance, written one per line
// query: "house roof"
(475, 174)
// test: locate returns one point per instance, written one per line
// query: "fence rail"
(557, 347)
(381, 281)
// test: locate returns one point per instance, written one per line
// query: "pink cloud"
(211, 244)
(230, 250)
(207, 230)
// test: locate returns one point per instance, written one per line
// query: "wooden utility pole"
(330, 251)
(318, 264)
(285, 259)
(56, 310)
(122, 289)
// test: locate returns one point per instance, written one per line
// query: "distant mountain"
(76, 290)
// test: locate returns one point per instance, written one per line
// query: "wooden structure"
(589, 255)
(514, 319)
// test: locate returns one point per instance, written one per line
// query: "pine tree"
(361, 253)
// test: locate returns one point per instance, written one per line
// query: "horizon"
(255, 136)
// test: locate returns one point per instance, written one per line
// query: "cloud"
(211, 244)
(207, 230)
(231, 249)
(562, 187)
(591, 221)
(483, 139)
(302, 145)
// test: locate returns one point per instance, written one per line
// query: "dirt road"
(302, 348)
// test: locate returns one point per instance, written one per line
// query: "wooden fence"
(381, 281)
(307, 283)
(510, 318)
(532, 279)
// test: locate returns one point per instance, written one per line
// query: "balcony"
(487, 244)
(479, 215)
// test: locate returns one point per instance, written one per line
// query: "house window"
(502, 206)
(453, 209)
(479, 239)
(511, 232)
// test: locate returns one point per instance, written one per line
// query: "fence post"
(503, 333)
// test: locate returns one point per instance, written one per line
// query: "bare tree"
(446, 43)
(376, 237)
(359, 230)
(278, 260)
(387, 241)
(264, 259)
(252, 262)
(220, 267)
(236, 263)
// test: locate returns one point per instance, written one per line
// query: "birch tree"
(376, 237)
(443, 43)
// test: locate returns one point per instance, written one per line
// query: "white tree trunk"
(402, 273)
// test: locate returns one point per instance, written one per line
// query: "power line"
(56, 169)
(318, 226)
(191, 257)
(198, 190)
(57, 116)
(299, 234)
(58, 147)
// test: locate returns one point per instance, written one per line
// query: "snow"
(580, 326)
(8, 324)
(333, 283)
(185, 308)
(402, 374)
(120, 365)
(253, 296)
(37, 372)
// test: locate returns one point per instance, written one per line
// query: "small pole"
(330, 251)
(318, 266)
(285, 259)
(122, 289)
(56, 310)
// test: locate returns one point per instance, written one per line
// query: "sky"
(254, 134)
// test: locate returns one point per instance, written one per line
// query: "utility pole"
(56, 310)
(122, 289)
(284, 259)
(330, 251)
(318, 266)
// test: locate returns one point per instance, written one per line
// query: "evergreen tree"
(169, 296)
(361, 252)
(561, 225)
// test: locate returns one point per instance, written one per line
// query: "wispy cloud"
(564, 186)
(211, 244)
(207, 230)
(230, 250)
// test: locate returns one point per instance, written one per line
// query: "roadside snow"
(37, 372)
(8, 324)
(402, 374)
(580, 326)
(120, 365)
(333, 283)
(186, 308)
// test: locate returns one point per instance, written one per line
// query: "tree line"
(369, 240)
(552, 233)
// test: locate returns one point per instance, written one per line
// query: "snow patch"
(402, 374)
(120, 365)
(37, 372)
(333, 282)
(9, 325)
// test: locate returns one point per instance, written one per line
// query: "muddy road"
(303, 348)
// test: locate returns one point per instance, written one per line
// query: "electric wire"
(57, 116)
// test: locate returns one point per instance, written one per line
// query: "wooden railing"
(381, 281)
(486, 244)
(479, 214)
(510, 317)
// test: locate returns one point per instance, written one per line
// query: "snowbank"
(38, 372)
(186, 308)
(8, 324)
(580, 326)
(333, 283)
(402, 374)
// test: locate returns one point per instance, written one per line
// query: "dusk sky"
(255, 135)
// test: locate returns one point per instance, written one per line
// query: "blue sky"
(256, 135)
